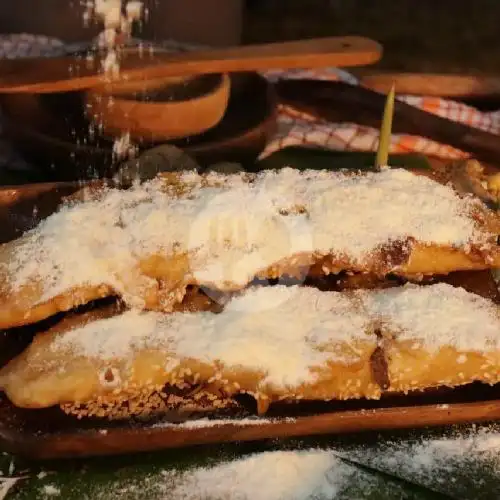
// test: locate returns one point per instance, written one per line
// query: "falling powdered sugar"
(118, 21)
(232, 229)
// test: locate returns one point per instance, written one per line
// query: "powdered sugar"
(49, 490)
(116, 337)
(458, 464)
(285, 331)
(461, 465)
(304, 329)
(437, 316)
(204, 423)
(117, 20)
(277, 475)
(234, 229)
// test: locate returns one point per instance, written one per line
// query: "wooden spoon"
(43, 75)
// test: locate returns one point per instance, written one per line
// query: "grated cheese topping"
(233, 229)
(283, 332)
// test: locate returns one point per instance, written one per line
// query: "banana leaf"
(453, 463)
(306, 158)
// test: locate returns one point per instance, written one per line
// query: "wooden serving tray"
(49, 434)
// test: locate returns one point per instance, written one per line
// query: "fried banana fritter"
(148, 243)
(273, 343)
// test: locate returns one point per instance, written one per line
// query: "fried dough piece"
(436, 336)
(273, 343)
(146, 244)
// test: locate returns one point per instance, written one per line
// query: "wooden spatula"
(75, 73)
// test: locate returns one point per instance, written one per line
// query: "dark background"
(424, 35)
(420, 35)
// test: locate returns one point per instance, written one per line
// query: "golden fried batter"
(274, 343)
(148, 243)
(270, 342)
(436, 336)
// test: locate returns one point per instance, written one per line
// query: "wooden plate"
(47, 434)
(63, 146)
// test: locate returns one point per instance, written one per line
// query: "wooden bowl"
(65, 149)
(162, 111)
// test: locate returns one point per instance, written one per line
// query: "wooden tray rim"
(130, 439)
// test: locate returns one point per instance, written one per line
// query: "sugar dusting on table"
(441, 464)
(457, 464)
(283, 475)
(49, 490)
(453, 463)
(278, 475)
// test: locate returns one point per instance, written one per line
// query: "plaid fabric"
(296, 128)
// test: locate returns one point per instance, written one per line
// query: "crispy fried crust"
(402, 339)
(414, 369)
(45, 375)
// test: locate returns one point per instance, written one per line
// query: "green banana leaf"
(307, 158)
(424, 465)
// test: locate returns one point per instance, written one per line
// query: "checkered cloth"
(294, 127)
(297, 128)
